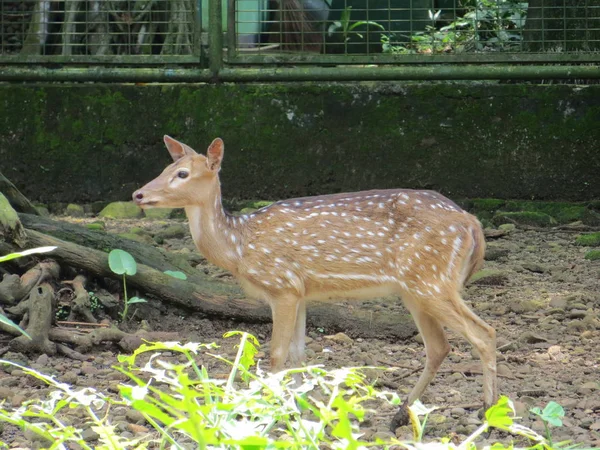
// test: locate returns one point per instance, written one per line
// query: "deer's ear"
(214, 154)
(177, 149)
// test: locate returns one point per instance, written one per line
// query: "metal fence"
(255, 38)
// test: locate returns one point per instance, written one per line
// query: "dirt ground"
(544, 304)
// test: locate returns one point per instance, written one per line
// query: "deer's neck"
(214, 232)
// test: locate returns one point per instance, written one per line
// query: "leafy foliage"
(308, 408)
(487, 25)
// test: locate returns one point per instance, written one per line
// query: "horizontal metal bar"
(479, 58)
(371, 73)
(108, 59)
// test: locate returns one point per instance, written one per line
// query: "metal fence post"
(215, 43)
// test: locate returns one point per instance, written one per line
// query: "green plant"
(122, 263)
(95, 303)
(419, 409)
(488, 25)
(32, 251)
(552, 414)
(349, 28)
(247, 410)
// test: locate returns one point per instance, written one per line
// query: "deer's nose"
(138, 196)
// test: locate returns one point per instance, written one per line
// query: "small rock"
(69, 377)
(505, 371)
(503, 346)
(6, 393)
(135, 428)
(88, 369)
(134, 416)
(34, 437)
(531, 338)
(491, 233)
(558, 302)
(495, 252)
(42, 360)
(340, 338)
(521, 408)
(588, 388)
(74, 210)
(576, 314)
(141, 238)
(490, 277)
(172, 232)
(89, 435)
(457, 412)
(508, 227)
(569, 403)
(158, 213)
(524, 306)
(96, 226)
(17, 400)
(383, 435)
(121, 210)
(534, 267)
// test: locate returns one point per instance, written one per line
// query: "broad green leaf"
(30, 251)
(499, 415)
(121, 262)
(5, 320)
(176, 274)
(133, 300)
(553, 410)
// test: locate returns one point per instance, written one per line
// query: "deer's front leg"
(285, 310)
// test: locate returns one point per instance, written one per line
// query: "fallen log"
(142, 253)
(15, 197)
(220, 300)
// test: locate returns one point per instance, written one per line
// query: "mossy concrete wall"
(88, 142)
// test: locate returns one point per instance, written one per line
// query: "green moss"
(524, 218)
(294, 139)
(96, 226)
(74, 210)
(121, 210)
(260, 204)
(487, 204)
(588, 240)
(593, 255)
(563, 212)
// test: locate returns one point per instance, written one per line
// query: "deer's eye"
(182, 174)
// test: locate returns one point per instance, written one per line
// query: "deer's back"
(361, 244)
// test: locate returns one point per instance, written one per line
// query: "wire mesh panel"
(109, 30)
(413, 30)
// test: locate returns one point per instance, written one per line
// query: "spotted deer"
(416, 245)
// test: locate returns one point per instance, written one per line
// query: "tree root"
(41, 313)
(81, 305)
(127, 342)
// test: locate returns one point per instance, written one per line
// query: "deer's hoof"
(401, 418)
